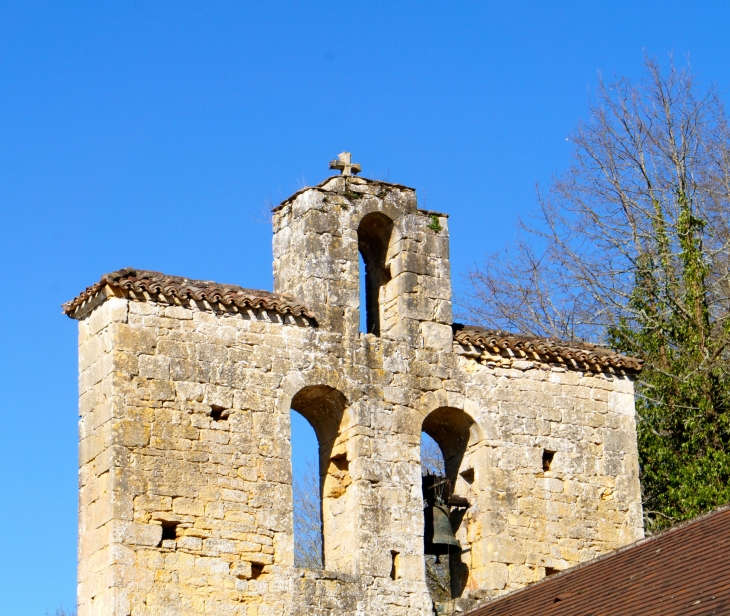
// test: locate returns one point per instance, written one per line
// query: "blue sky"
(157, 134)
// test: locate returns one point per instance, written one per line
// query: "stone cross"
(345, 165)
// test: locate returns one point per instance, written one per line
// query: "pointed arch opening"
(373, 240)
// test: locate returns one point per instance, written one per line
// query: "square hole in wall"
(256, 570)
(468, 475)
(547, 459)
(340, 462)
(169, 531)
(219, 413)
(551, 571)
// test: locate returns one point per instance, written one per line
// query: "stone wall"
(185, 471)
(318, 233)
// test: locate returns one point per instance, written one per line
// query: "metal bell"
(439, 536)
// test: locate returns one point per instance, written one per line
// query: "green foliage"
(435, 225)
(684, 394)
(631, 245)
(353, 196)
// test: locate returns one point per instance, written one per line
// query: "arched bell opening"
(307, 503)
(323, 407)
(373, 241)
(446, 499)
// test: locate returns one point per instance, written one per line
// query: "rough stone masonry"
(186, 388)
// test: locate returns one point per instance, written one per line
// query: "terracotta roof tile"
(134, 283)
(684, 571)
(582, 353)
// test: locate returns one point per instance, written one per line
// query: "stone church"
(186, 388)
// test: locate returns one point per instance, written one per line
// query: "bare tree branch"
(631, 247)
(307, 518)
(571, 272)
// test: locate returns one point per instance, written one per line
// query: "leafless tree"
(307, 518)
(432, 460)
(648, 149)
(307, 505)
(62, 611)
(631, 248)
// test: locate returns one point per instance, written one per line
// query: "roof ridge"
(131, 281)
(574, 350)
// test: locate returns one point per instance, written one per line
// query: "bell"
(438, 536)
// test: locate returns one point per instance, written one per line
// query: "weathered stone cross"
(345, 165)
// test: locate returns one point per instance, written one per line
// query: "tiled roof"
(143, 285)
(531, 347)
(684, 571)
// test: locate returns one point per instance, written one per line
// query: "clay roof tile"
(580, 352)
(681, 572)
(134, 283)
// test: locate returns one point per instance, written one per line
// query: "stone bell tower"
(186, 392)
(319, 233)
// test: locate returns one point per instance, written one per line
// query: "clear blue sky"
(154, 134)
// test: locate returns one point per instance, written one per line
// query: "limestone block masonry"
(186, 387)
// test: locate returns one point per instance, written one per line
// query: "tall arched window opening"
(373, 239)
(363, 296)
(323, 408)
(306, 493)
(433, 470)
(446, 491)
